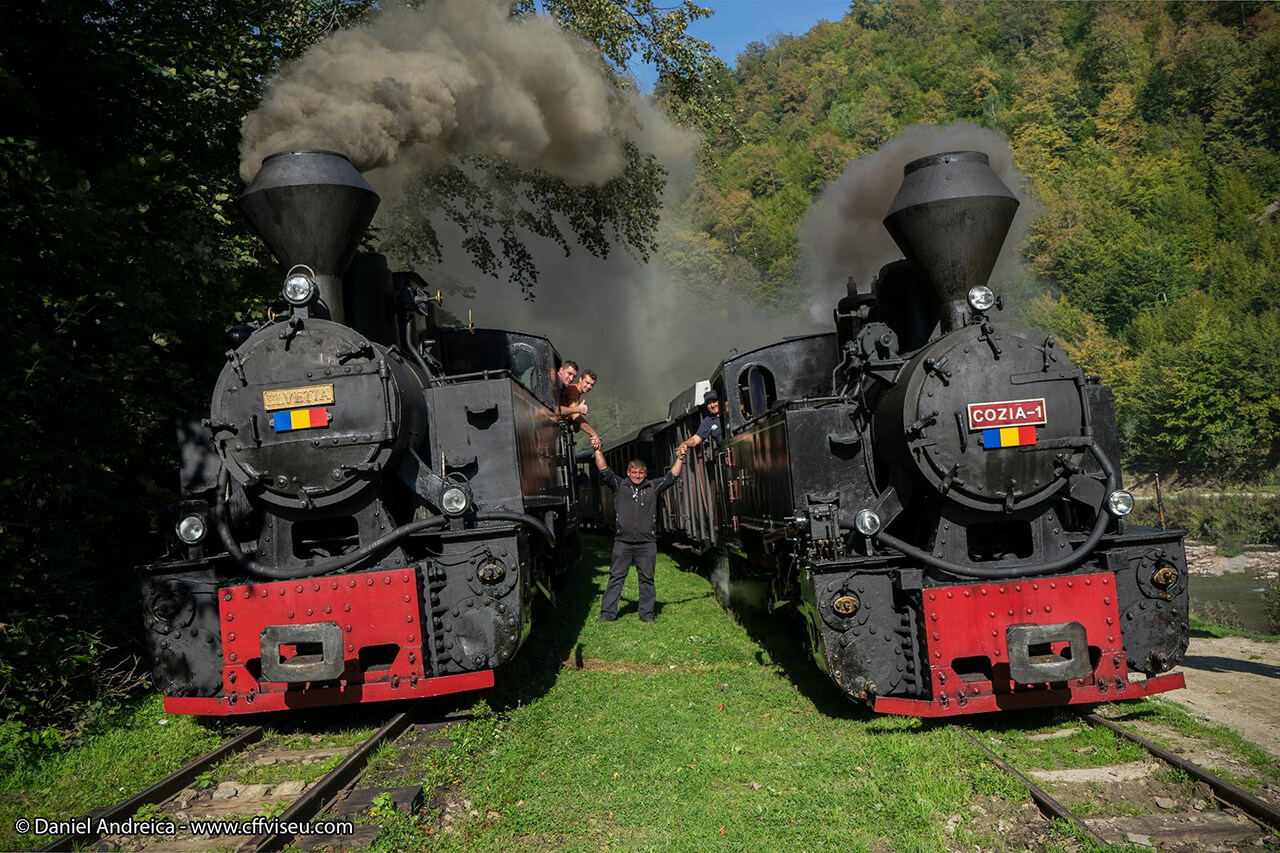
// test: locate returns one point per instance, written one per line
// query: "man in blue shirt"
(635, 500)
(710, 429)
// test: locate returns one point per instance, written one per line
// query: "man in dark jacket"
(636, 501)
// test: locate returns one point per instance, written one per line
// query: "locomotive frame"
(942, 564)
(374, 500)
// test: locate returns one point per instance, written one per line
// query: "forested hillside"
(1148, 132)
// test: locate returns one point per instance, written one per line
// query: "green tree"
(497, 206)
(121, 264)
(1205, 394)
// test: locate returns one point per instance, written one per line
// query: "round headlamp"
(191, 529)
(454, 500)
(867, 522)
(299, 285)
(1120, 503)
(981, 298)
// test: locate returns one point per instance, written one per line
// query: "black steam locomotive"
(935, 490)
(373, 500)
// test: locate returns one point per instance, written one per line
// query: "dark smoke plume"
(412, 89)
(648, 338)
(454, 77)
(843, 234)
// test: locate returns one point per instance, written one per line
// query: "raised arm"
(681, 450)
(600, 463)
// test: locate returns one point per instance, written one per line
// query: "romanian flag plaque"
(1008, 437)
(300, 419)
(1007, 423)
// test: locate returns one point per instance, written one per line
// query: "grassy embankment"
(1227, 519)
(697, 732)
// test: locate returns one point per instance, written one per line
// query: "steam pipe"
(334, 564)
(519, 518)
(319, 567)
(1071, 560)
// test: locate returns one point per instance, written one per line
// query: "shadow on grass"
(1020, 720)
(782, 638)
(627, 607)
(556, 629)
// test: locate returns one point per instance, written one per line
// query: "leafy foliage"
(119, 270)
(1148, 135)
(488, 198)
(1271, 606)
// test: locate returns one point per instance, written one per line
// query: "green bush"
(1228, 521)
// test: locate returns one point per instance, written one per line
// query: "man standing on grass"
(636, 502)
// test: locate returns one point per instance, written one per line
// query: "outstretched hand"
(596, 442)
(681, 450)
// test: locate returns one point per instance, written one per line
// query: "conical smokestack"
(312, 207)
(950, 219)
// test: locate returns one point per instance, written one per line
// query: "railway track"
(1218, 813)
(173, 815)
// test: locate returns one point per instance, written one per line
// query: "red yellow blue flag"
(1008, 437)
(300, 419)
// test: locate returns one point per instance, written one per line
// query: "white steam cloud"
(454, 77)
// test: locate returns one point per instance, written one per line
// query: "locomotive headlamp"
(454, 500)
(191, 529)
(867, 522)
(1120, 503)
(981, 298)
(299, 285)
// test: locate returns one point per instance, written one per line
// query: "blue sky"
(737, 23)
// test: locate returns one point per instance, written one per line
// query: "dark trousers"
(644, 555)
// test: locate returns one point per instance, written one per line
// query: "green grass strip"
(135, 748)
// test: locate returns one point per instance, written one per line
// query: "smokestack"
(950, 219)
(312, 207)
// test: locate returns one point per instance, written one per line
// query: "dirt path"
(1236, 683)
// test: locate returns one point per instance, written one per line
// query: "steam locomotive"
(373, 500)
(935, 490)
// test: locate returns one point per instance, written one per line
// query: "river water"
(1242, 590)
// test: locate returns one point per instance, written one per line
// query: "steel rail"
(1228, 793)
(1048, 805)
(160, 791)
(318, 796)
